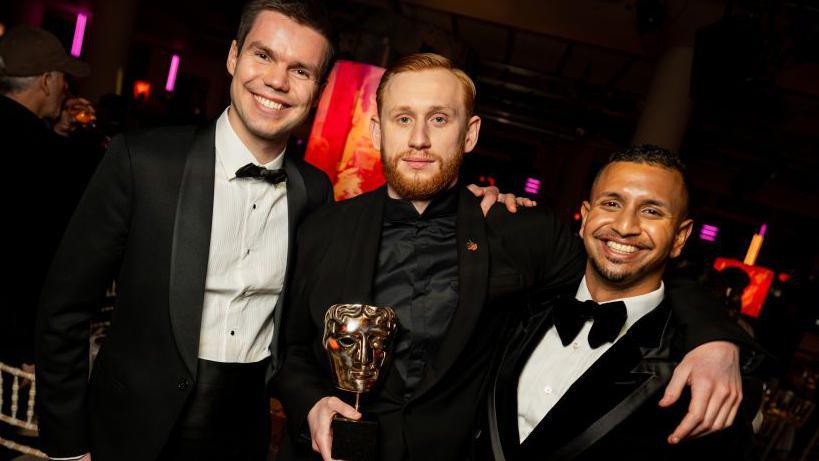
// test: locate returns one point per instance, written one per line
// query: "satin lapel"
(585, 401)
(360, 240)
(645, 381)
(473, 277)
(296, 207)
(609, 380)
(191, 245)
(296, 202)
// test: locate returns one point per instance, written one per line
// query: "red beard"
(411, 187)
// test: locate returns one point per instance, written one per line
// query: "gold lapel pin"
(471, 246)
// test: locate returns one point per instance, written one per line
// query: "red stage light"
(755, 293)
(487, 180)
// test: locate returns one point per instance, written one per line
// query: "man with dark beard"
(422, 246)
(582, 380)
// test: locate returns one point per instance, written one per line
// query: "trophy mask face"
(357, 339)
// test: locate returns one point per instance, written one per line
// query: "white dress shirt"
(552, 368)
(248, 256)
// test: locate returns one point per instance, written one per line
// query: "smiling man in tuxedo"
(582, 375)
(196, 225)
(421, 245)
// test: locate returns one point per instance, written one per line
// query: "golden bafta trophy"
(357, 338)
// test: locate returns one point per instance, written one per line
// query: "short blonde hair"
(427, 61)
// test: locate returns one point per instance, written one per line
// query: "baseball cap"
(26, 51)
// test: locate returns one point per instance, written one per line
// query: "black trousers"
(227, 417)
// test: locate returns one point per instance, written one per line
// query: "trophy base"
(355, 440)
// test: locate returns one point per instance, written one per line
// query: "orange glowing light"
(753, 249)
(142, 89)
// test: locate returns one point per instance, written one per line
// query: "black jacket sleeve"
(84, 265)
(700, 318)
(548, 255)
(299, 383)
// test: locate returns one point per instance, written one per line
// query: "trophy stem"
(357, 398)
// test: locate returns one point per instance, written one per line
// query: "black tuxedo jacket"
(611, 411)
(145, 219)
(336, 261)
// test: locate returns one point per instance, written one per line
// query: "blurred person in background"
(36, 119)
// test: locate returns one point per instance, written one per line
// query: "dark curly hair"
(656, 156)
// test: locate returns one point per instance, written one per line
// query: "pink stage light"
(79, 34)
(174, 69)
(532, 186)
(709, 233)
(763, 229)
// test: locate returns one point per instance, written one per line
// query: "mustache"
(606, 234)
(422, 154)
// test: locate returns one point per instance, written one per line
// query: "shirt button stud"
(232, 332)
(183, 384)
(575, 345)
(254, 206)
(548, 390)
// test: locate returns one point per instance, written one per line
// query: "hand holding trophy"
(357, 338)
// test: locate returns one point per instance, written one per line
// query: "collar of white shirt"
(232, 153)
(636, 306)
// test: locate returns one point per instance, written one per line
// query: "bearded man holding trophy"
(422, 246)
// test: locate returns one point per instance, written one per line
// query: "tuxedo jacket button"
(183, 384)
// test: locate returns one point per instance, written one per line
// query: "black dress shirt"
(417, 276)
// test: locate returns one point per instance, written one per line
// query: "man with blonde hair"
(421, 245)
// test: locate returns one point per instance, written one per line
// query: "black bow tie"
(255, 171)
(570, 315)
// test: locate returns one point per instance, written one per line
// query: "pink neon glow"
(709, 233)
(171, 82)
(79, 34)
(532, 186)
(763, 229)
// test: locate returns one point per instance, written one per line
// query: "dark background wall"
(734, 86)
